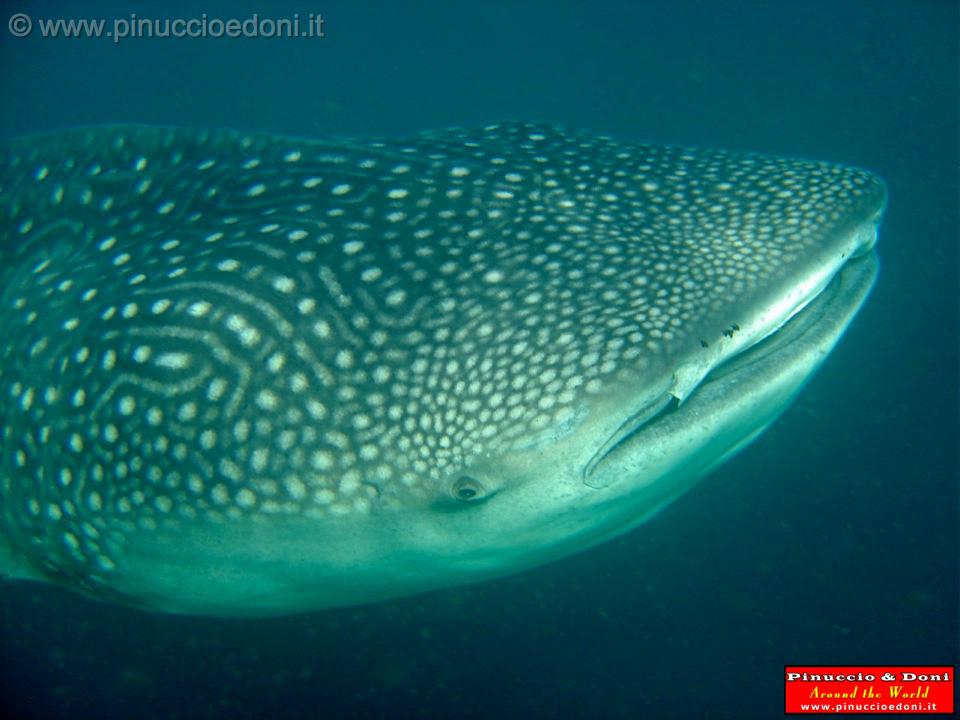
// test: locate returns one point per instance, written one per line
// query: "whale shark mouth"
(814, 312)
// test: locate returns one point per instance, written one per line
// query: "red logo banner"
(873, 689)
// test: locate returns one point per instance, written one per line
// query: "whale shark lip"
(809, 320)
(824, 304)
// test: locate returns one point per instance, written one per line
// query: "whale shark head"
(249, 375)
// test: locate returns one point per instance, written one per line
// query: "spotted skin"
(221, 329)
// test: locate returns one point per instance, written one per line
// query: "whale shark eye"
(467, 489)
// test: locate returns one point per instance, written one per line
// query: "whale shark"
(245, 374)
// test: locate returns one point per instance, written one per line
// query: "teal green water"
(832, 539)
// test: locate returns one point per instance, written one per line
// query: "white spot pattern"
(246, 327)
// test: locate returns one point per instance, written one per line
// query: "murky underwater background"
(833, 539)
